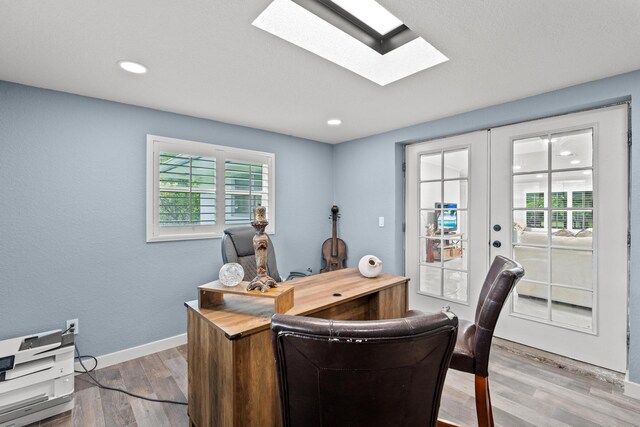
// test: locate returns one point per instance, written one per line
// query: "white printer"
(36, 377)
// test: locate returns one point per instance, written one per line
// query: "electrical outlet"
(73, 324)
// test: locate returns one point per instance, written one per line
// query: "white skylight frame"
(295, 24)
(371, 13)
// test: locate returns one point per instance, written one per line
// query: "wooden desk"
(231, 368)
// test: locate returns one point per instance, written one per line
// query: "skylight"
(371, 13)
(381, 58)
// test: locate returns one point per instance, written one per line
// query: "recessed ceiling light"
(517, 167)
(132, 67)
(566, 153)
(334, 122)
(575, 162)
(539, 175)
(586, 173)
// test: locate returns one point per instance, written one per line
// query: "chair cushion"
(463, 358)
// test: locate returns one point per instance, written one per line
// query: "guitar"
(334, 250)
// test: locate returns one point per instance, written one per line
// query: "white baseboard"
(134, 352)
(631, 389)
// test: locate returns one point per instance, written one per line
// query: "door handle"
(497, 227)
(496, 243)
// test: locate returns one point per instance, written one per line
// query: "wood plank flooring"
(524, 392)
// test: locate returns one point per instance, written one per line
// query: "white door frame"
(484, 233)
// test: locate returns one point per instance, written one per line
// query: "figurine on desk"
(262, 281)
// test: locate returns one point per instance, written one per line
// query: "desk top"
(240, 315)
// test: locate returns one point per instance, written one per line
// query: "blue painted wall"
(368, 172)
(72, 207)
(72, 217)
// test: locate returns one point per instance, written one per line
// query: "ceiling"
(205, 59)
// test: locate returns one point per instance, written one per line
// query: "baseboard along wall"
(631, 389)
(134, 352)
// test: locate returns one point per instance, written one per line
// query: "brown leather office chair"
(362, 373)
(473, 345)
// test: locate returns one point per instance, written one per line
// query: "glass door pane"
(553, 201)
(444, 189)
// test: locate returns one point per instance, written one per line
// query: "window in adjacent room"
(559, 218)
(582, 219)
(535, 219)
(196, 190)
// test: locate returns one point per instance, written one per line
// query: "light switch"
(380, 221)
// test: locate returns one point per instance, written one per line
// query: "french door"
(551, 194)
(446, 222)
(559, 191)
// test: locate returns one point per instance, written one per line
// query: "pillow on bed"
(563, 233)
(584, 233)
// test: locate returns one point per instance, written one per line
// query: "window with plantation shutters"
(246, 185)
(196, 190)
(187, 189)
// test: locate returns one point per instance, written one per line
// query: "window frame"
(345, 21)
(157, 144)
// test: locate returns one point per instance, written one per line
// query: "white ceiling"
(205, 59)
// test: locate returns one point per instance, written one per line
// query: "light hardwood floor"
(524, 392)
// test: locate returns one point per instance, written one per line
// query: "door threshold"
(571, 365)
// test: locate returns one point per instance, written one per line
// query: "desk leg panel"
(390, 303)
(210, 373)
(256, 397)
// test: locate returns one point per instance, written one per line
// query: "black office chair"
(362, 373)
(237, 246)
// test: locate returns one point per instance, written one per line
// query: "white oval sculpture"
(370, 266)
